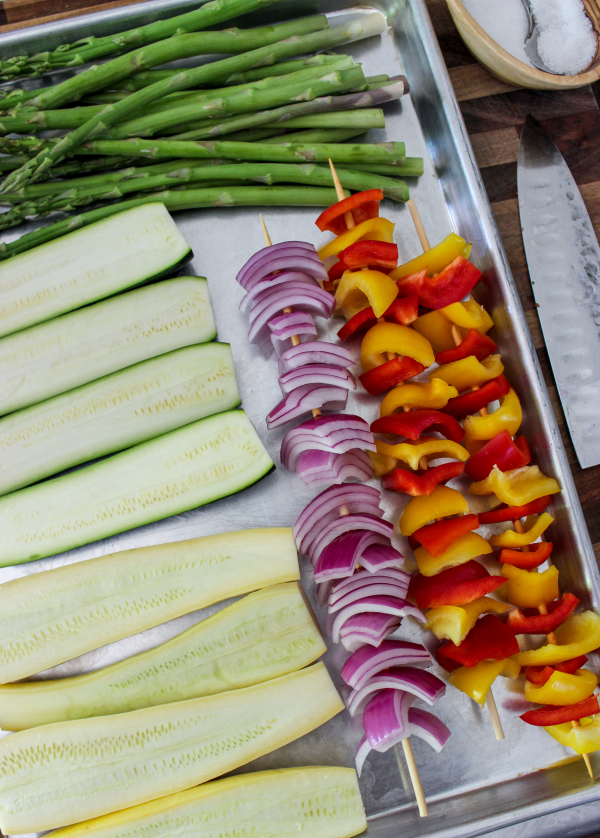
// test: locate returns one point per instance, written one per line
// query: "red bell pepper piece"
(335, 271)
(500, 451)
(417, 483)
(450, 286)
(403, 310)
(361, 321)
(362, 205)
(540, 674)
(369, 254)
(573, 665)
(446, 663)
(526, 561)
(438, 536)
(469, 403)
(518, 623)
(481, 346)
(511, 513)
(488, 640)
(387, 375)
(412, 424)
(550, 714)
(454, 586)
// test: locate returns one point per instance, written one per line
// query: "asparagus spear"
(412, 167)
(316, 136)
(315, 196)
(92, 48)
(365, 26)
(366, 118)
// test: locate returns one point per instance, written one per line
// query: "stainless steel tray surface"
(476, 785)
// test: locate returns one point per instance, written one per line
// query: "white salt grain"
(566, 41)
(508, 26)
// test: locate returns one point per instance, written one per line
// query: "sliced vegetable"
(421, 483)
(473, 344)
(341, 556)
(463, 549)
(516, 487)
(454, 586)
(306, 398)
(470, 403)
(362, 205)
(377, 229)
(579, 635)
(489, 639)
(507, 417)
(453, 283)
(436, 258)
(326, 433)
(563, 688)
(112, 255)
(437, 537)
(553, 715)
(512, 513)
(316, 352)
(434, 394)
(392, 337)
(468, 314)
(535, 526)
(372, 254)
(527, 561)
(294, 323)
(412, 424)
(421, 511)
(530, 589)
(454, 622)
(316, 468)
(365, 663)
(469, 372)
(500, 451)
(584, 738)
(387, 375)
(422, 684)
(358, 289)
(326, 507)
(186, 468)
(476, 681)
(279, 257)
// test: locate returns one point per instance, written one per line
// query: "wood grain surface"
(494, 113)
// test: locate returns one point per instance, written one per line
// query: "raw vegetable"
(183, 469)
(92, 603)
(314, 802)
(87, 265)
(262, 636)
(71, 350)
(71, 771)
(116, 412)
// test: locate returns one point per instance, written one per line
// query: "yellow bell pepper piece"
(392, 337)
(469, 372)
(508, 416)
(454, 622)
(441, 503)
(562, 688)
(411, 452)
(584, 739)
(535, 525)
(435, 395)
(436, 258)
(437, 329)
(517, 486)
(579, 635)
(463, 549)
(382, 464)
(476, 681)
(375, 229)
(359, 289)
(469, 315)
(530, 589)
(473, 445)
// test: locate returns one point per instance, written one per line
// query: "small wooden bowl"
(505, 67)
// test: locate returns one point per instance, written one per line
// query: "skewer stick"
(348, 217)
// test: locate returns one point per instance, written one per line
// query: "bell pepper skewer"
(406, 745)
(543, 609)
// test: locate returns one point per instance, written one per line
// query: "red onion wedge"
(293, 323)
(266, 286)
(318, 352)
(422, 684)
(336, 434)
(362, 577)
(350, 522)
(371, 629)
(295, 259)
(340, 557)
(323, 591)
(321, 374)
(380, 556)
(293, 295)
(387, 588)
(377, 605)
(325, 507)
(385, 719)
(428, 727)
(265, 253)
(318, 467)
(364, 664)
(304, 399)
(362, 752)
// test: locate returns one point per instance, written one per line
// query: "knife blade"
(563, 258)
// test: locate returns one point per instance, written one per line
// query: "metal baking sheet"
(476, 785)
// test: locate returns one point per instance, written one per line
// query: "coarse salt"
(566, 40)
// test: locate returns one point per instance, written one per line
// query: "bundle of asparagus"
(283, 104)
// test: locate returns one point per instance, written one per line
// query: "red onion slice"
(422, 684)
(266, 254)
(380, 556)
(293, 323)
(337, 434)
(362, 752)
(388, 588)
(379, 605)
(318, 467)
(321, 374)
(371, 629)
(319, 352)
(304, 399)
(341, 556)
(265, 286)
(428, 727)
(385, 719)
(326, 507)
(294, 295)
(362, 577)
(323, 593)
(291, 261)
(364, 664)
(346, 524)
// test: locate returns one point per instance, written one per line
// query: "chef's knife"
(563, 258)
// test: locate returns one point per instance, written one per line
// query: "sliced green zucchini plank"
(71, 350)
(173, 473)
(57, 615)
(262, 636)
(116, 412)
(112, 255)
(311, 802)
(70, 771)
